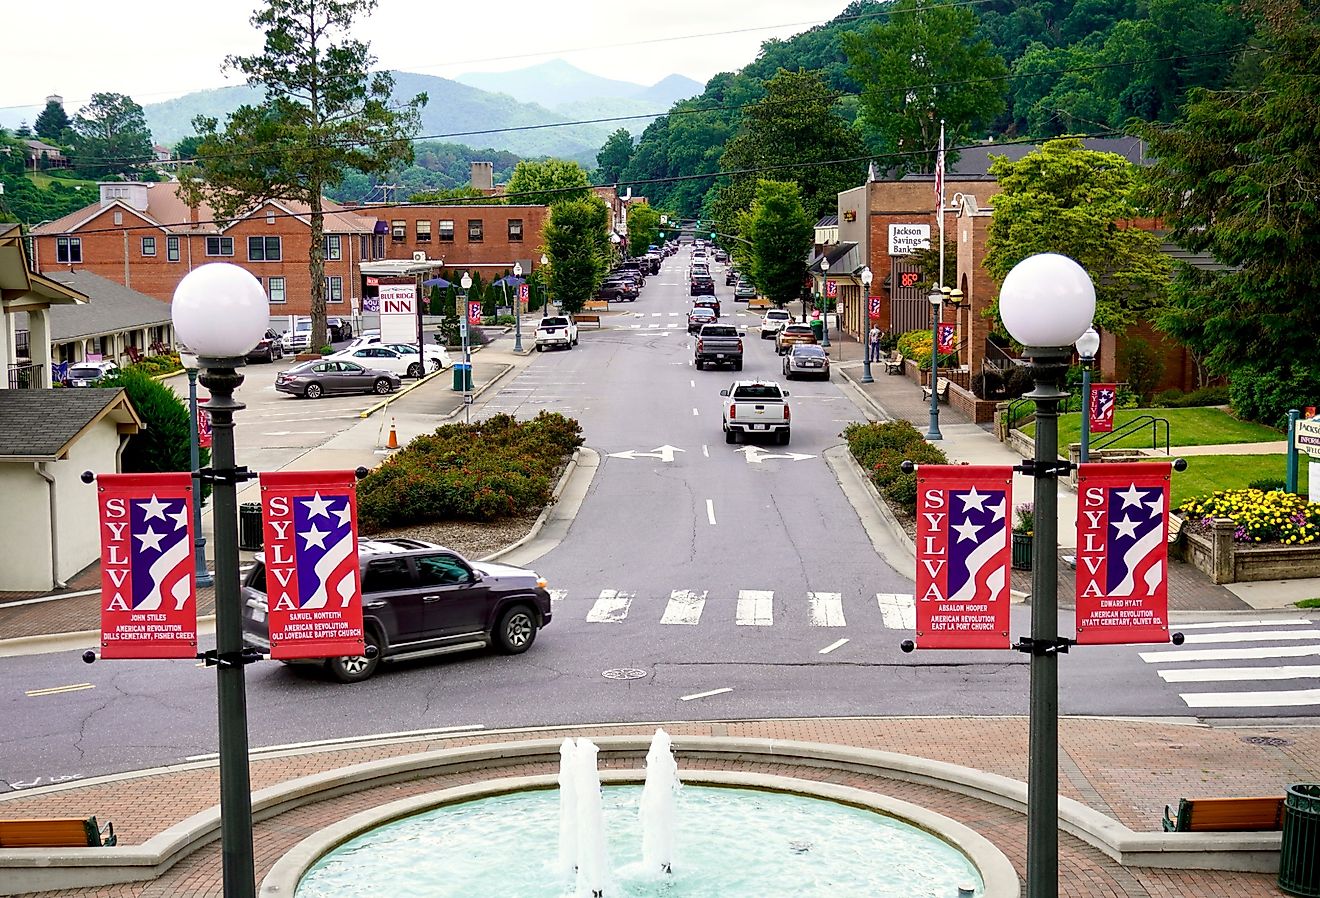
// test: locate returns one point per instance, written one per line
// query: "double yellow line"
(56, 690)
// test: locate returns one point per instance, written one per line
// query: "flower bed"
(881, 448)
(1244, 535)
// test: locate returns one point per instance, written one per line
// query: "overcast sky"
(155, 52)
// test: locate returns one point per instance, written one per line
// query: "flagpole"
(936, 300)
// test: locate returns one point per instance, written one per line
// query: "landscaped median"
(1236, 536)
(881, 448)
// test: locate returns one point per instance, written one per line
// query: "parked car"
(721, 256)
(437, 358)
(268, 348)
(556, 330)
(772, 321)
(806, 359)
(421, 599)
(713, 304)
(756, 407)
(700, 284)
(791, 334)
(298, 337)
(89, 374)
(319, 377)
(744, 291)
(719, 344)
(404, 362)
(618, 290)
(699, 318)
(338, 329)
(731, 276)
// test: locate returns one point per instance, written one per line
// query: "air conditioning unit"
(419, 257)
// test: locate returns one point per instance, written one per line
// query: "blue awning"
(508, 281)
(437, 282)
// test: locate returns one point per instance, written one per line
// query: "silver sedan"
(806, 359)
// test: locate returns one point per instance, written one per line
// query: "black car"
(731, 276)
(421, 599)
(268, 348)
(701, 284)
(618, 290)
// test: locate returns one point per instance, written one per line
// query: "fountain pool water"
(728, 843)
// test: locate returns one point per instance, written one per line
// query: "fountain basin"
(972, 855)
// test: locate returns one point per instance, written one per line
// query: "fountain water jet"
(593, 863)
(568, 828)
(658, 806)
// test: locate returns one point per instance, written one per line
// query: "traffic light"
(712, 235)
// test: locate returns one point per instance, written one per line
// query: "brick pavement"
(1128, 768)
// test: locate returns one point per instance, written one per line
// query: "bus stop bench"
(587, 319)
(1199, 815)
(61, 832)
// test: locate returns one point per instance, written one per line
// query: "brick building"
(485, 239)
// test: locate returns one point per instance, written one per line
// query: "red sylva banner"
(1104, 397)
(1122, 553)
(963, 555)
(474, 313)
(946, 332)
(874, 313)
(148, 584)
(313, 594)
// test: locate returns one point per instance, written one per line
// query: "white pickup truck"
(556, 330)
(756, 407)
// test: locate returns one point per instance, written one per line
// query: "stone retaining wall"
(1214, 552)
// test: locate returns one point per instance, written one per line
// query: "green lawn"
(1187, 427)
(1207, 473)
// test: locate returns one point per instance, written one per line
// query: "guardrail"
(1133, 426)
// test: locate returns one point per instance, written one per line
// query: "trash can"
(249, 526)
(1299, 852)
(818, 328)
(462, 377)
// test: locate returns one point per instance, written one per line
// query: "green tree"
(1236, 178)
(110, 137)
(1064, 199)
(52, 122)
(187, 147)
(921, 64)
(614, 157)
(547, 182)
(325, 112)
(643, 227)
(577, 244)
(780, 233)
(453, 193)
(163, 444)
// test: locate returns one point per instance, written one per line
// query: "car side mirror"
(477, 576)
(742, 333)
(724, 392)
(785, 394)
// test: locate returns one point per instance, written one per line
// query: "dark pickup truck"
(719, 344)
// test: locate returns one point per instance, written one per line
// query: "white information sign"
(904, 239)
(398, 313)
(1306, 436)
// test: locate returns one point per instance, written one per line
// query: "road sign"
(467, 398)
(1306, 436)
(755, 455)
(664, 453)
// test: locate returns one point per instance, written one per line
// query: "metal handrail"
(1131, 427)
(1011, 412)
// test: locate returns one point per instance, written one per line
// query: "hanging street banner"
(203, 426)
(313, 594)
(831, 289)
(474, 313)
(963, 555)
(1122, 553)
(1104, 397)
(148, 582)
(875, 308)
(523, 293)
(946, 332)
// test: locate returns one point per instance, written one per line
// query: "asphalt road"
(731, 582)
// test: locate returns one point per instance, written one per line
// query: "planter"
(1213, 551)
(1021, 551)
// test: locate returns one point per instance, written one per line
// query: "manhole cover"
(623, 673)
(1273, 741)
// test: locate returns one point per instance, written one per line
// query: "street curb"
(569, 469)
(866, 397)
(426, 378)
(559, 514)
(476, 394)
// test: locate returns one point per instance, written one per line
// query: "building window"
(424, 232)
(515, 230)
(68, 250)
(364, 248)
(276, 290)
(333, 248)
(398, 230)
(270, 218)
(378, 246)
(119, 218)
(219, 246)
(172, 248)
(446, 232)
(475, 230)
(334, 289)
(263, 249)
(148, 246)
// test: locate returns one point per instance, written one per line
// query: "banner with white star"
(148, 572)
(313, 592)
(963, 555)
(1123, 553)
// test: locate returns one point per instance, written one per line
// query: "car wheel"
(516, 630)
(783, 438)
(699, 364)
(415, 369)
(540, 347)
(381, 386)
(351, 669)
(737, 366)
(730, 437)
(575, 341)
(436, 365)
(313, 391)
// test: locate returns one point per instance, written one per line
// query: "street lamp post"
(1088, 344)
(188, 359)
(936, 297)
(517, 311)
(824, 315)
(867, 277)
(466, 283)
(545, 286)
(1046, 302)
(220, 312)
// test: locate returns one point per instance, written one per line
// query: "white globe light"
(867, 277)
(517, 269)
(220, 311)
(1047, 300)
(1088, 344)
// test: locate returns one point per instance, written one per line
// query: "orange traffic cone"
(393, 442)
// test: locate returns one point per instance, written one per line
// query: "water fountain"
(657, 808)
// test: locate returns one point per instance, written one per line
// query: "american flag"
(978, 532)
(1136, 541)
(160, 553)
(326, 551)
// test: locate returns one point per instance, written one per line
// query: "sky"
(153, 53)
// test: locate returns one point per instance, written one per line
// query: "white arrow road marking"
(1290, 699)
(832, 646)
(664, 453)
(1229, 674)
(685, 607)
(556, 597)
(688, 698)
(755, 454)
(1289, 651)
(695, 413)
(826, 609)
(1258, 636)
(755, 608)
(899, 610)
(611, 608)
(710, 511)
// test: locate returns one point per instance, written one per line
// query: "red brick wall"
(495, 247)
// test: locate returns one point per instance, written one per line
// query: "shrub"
(1194, 399)
(915, 345)
(483, 471)
(158, 364)
(1260, 516)
(1141, 367)
(1024, 518)
(1267, 395)
(1267, 485)
(881, 449)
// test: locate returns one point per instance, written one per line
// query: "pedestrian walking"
(874, 343)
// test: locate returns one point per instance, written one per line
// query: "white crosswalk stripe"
(684, 607)
(611, 608)
(1254, 636)
(755, 608)
(826, 609)
(898, 610)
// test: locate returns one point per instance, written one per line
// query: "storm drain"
(623, 673)
(1272, 741)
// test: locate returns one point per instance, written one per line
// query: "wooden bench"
(62, 832)
(1209, 815)
(894, 365)
(598, 305)
(944, 391)
(1175, 528)
(587, 319)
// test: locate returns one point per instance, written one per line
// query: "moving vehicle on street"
(700, 284)
(731, 277)
(699, 317)
(755, 407)
(554, 331)
(268, 348)
(402, 361)
(772, 321)
(744, 291)
(89, 374)
(321, 377)
(808, 360)
(721, 256)
(792, 334)
(719, 344)
(421, 599)
(713, 304)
